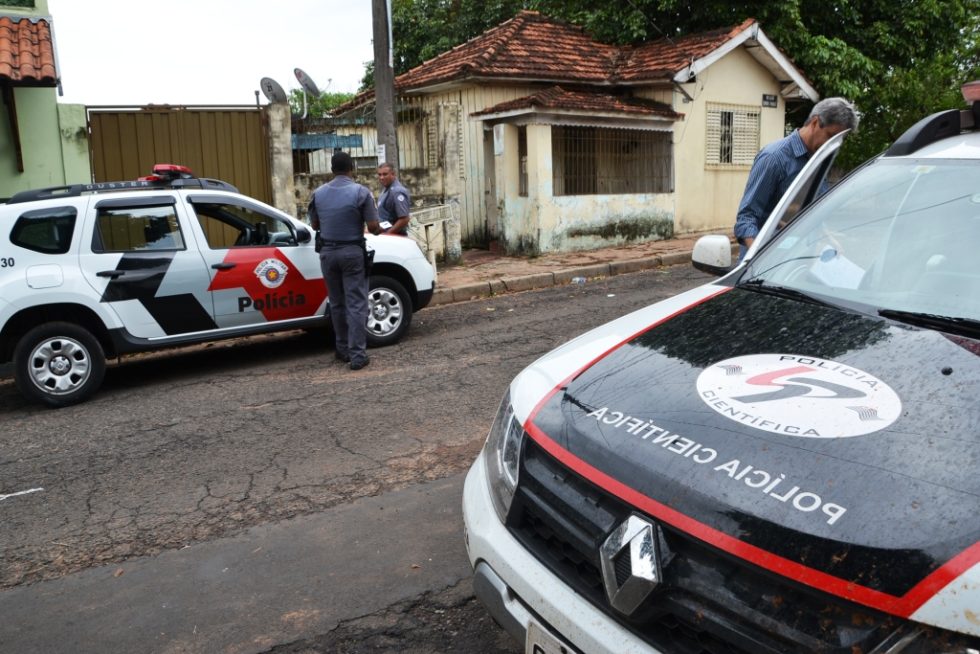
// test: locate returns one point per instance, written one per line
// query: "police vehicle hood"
(831, 447)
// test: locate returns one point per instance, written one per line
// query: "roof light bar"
(172, 171)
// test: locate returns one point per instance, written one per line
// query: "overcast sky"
(206, 51)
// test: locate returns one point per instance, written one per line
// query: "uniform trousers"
(347, 289)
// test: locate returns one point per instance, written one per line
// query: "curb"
(503, 285)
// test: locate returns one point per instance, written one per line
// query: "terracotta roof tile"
(557, 98)
(537, 48)
(27, 52)
(528, 46)
(664, 58)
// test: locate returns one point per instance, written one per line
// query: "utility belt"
(320, 242)
(330, 244)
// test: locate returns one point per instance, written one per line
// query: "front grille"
(708, 602)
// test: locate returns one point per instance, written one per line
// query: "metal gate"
(227, 143)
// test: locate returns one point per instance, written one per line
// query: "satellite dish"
(306, 82)
(272, 90)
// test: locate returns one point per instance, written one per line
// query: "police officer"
(340, 209)
(394, 202)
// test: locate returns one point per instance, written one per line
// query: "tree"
(898, 60)
(316, 107)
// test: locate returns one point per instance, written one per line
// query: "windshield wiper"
(760, 286)
(962, 326)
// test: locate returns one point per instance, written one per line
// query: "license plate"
(541, 641)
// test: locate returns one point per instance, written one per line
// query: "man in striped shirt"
(778, 164)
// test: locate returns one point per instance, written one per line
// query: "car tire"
(58, 364)
(389, 311)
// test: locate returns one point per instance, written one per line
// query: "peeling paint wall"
(542, 222)
(707, 199)
(53, 138)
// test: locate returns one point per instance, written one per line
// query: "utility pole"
(384, 83)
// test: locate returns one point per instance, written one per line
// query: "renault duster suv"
(100, 270)
(783, 460)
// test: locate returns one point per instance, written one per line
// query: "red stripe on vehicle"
(902, 606)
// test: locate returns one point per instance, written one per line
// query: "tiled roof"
(27, 52)
(559, 99)
(536, 47)
(664, 58)
(528, 46)
(532, 47)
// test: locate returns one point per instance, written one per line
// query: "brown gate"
(229, 144)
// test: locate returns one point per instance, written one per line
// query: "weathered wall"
(278, 121)
(707, 199)
(542, 222)
(54, 143)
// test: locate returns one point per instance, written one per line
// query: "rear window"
(45, 230)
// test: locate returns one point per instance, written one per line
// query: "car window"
(127, 229)
(899, 234)
(228, 225)
(45, 230)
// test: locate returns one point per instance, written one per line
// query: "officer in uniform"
(394, 202)
(340, 209)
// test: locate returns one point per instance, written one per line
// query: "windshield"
(898, 235)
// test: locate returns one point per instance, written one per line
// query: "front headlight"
(502, 455)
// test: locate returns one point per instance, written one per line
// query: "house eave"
(766, 53)
(535, 115)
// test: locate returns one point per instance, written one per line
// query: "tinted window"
(45, 230)
(137, 228)
(230, 225)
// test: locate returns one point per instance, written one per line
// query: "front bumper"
(425, 296)
(516, 588)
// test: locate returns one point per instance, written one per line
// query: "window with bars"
(732, 135)
(611, 161)
(522, 161)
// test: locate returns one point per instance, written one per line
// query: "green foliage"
(898, 60)
(317, 107)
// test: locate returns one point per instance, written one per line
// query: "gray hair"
(835, 111)
(387, 166)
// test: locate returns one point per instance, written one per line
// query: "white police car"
(784, 460)
(99, 270)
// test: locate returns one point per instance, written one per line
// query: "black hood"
(882, 509)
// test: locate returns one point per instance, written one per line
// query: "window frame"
(601, 160)
(106, 207)
(65, 211)
(732, 136)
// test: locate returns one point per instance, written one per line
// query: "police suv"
(99, 270)
(784, 460)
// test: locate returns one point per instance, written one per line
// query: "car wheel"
(58, 364)
(389, 311)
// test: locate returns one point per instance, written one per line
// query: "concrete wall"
(542, 222)
(54, 143)
(707, 199)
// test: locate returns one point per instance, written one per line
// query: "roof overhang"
(757, 44)
(537, 116)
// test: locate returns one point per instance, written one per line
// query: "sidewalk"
(482, 273)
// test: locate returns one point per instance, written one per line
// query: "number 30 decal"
(6, 262)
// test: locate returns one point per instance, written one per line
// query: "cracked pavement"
(193, 445)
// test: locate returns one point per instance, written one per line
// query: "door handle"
(111, 274)
(223, 266)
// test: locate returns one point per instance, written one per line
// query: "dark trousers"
(347, 288)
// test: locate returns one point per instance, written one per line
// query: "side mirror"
(303, 235)
(713, 254)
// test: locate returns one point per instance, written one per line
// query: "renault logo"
(631, 563)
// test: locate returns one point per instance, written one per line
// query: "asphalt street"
(255, 495)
